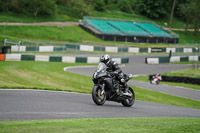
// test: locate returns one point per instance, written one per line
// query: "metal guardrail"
(11, 42)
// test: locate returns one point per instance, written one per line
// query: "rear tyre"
(97, 97)
(129, 101)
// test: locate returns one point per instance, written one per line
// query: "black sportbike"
(107, 87)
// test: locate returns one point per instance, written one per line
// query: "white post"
(5, 40)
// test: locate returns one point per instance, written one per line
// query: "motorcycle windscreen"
(101, 67)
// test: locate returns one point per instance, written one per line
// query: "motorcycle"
(156, 79)
(107, 87)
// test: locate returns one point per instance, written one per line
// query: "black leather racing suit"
(114, 68)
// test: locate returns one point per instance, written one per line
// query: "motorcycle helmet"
(105, 59)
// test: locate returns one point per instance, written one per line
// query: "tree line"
(186, 10)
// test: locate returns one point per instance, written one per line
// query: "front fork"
(102, 89)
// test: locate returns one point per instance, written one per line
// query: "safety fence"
(158, 60)
(49, 58)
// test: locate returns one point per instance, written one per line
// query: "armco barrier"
(86, 48)
(175, 59)
(112, 49)
(91, 48)
(93, 59)
(81, 60)
(46, 48)
(122, 49)
(18, 48)
(193, 58)
(13, 57)
(158, 60)
(152, 61)
(55, 59)
(133, 50)
(72, 46)
(28, 58)
(143, 50)
(32, 48)
(41, 58)
(59, 48)
(66, 59)
(183, 59)
(164, 59)
(101, 49)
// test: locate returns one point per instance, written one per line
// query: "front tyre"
(97, 97)
(129, 101)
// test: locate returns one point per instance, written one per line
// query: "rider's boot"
(126, 88)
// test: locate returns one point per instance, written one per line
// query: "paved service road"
(38, 104)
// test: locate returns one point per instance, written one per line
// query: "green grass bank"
(74, 34)
(99, 125)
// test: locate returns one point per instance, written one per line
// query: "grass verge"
(193, 73)
(107, 125)
(42, 75)
(157, 97)
(186, 62)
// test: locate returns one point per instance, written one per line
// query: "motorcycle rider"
(156, 79)
(115, 70)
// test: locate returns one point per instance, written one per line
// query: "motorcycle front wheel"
(97, 97)
(129, 101)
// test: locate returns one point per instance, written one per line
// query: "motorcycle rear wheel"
(128, 102)
(97, 97)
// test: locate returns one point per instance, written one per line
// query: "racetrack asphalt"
(39, 104)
